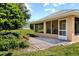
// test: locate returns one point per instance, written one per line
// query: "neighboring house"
(63, 25)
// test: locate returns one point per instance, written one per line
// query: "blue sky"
(40, 10)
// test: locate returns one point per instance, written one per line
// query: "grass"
(69, 50)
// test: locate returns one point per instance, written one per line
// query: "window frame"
(63, 29)
(75, 32)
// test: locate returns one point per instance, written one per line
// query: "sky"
(40, 10)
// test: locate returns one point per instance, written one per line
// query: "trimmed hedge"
(11, 42)
(19, 33)
(12, 39)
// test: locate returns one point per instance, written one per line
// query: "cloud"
(58, 4)
(45, 4)
(55, 5)
(47, 9)
(28, 6)
(50, 10)
(53, 10)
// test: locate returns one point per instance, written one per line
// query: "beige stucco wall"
(70, 29)
(75, 38)
(54, 36)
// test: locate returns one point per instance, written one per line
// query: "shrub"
(11, 39)
(6, 44)
(8, 36)
(23, 44)
(32, 35)
(11, 42)
(19, 33)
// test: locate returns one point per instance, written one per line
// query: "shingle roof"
(58, 14)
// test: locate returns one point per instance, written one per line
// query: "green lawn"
(70, 50)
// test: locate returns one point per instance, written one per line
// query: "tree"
(11, 16)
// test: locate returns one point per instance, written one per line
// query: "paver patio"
(41, 43)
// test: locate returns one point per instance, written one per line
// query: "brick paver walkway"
(41, 43)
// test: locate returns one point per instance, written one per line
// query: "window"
(76, 26)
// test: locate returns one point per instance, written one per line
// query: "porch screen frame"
(62, 30)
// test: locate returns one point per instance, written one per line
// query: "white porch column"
(38, 27)
(44, 26)
(34, 27)
(51, 26)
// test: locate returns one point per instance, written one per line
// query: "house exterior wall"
(75, 38)
(54, 36)
(70, 27)
(70, 30)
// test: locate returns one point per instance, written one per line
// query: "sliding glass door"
(62, 30)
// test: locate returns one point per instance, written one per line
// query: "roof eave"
(55, 17)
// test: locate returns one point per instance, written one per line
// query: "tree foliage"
(11, 16)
